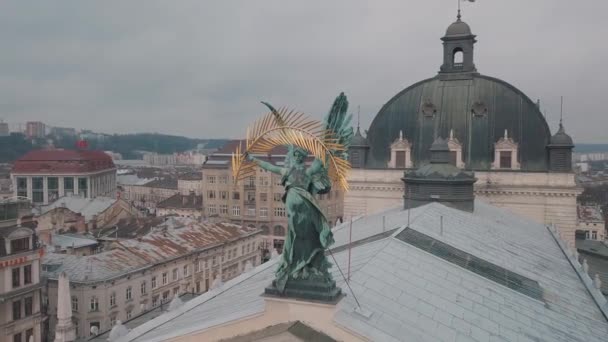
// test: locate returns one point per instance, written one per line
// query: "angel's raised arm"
(266, 166)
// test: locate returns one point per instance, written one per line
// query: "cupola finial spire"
(561, 111)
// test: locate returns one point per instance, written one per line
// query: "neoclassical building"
(491, 128)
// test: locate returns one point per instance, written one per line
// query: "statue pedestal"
(321, 290)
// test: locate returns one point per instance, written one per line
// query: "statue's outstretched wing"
(337, 122)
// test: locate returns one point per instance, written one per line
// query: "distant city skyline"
(200, 70)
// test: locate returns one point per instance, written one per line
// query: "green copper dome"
(476, 107)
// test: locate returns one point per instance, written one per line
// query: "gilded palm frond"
(288, 127)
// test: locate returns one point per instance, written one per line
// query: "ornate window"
(428, 109)
(505, 153)
(401, 155)
(455, 150)
(479, 109)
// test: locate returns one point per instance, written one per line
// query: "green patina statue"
(309, 233)
(303, 270)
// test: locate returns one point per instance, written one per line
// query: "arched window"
(279, 231)
(457, 57)
(265, 230)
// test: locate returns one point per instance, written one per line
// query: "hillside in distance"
(16, 145)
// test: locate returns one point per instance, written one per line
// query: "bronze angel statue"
(309, 233)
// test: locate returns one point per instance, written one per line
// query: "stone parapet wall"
(548, 198)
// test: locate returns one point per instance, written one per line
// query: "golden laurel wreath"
(288, 127)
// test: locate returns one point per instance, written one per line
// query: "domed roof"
(478, 108)
(458, 28)
(561, 137)
(358, 139)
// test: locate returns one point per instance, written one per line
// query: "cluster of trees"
(16, 145)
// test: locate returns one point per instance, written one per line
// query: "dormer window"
(20, 245)
(455, 151)
(401, 155)
(505, 154)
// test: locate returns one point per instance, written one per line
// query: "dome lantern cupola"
(458, 45)
(560, 151)
(358, 150)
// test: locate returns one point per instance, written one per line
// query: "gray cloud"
(200, 68)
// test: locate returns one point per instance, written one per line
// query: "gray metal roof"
(72, 240)
(174, 238)
(88, 207)
(358, 139)
(458, 28)
(412, 295)
(561, 138)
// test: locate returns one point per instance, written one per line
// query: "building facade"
(44, 176)
(492, 128)
(590, 223)
(190, 158)
(149, 194)
(4, 131)
(257, 201)
(157, 159)
(35, 129)
(190, 183)
(20, 287)
(63, 131)
(190, 205)
(136, 275)
(78, 215)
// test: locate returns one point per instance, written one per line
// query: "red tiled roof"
(63, 161)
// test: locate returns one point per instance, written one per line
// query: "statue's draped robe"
(308, 234)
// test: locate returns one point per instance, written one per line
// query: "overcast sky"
(199, 68)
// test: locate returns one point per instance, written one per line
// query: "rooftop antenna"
(350, 247)
(409, 207)
(358, 116)
(458, 16)
(346, 281)
(561, 109)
